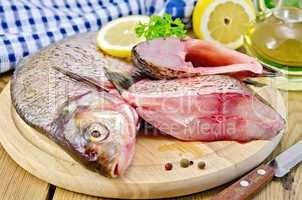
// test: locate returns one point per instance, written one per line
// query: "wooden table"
(16, 183)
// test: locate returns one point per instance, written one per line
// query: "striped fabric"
(28, 25)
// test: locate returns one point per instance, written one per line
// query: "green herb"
(161, 27)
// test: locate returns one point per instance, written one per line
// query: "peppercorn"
(201, 165)
(168, 166)
(184, 163)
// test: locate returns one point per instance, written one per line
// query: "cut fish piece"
(205, 108)
(167, 58)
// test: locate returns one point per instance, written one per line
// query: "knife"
(253, 182)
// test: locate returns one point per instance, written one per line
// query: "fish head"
(101, 132)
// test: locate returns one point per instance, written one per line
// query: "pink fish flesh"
(205, 108)
(165, 58)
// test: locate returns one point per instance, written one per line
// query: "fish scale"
(168, 58)
(64, 90)
(95, 127)
(175, 86)
(203, 108)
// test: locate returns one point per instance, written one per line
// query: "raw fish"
(204, 108)
(166, 58)
(95, 127)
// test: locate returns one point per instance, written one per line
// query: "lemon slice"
(118, 36)
(223, 21)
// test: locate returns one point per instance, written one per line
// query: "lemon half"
(118, 36)
(223, 21)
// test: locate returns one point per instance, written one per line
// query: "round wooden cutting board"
(146, 178)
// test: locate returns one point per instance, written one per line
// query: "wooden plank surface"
(17, 184)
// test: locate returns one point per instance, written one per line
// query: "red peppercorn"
(168, 166)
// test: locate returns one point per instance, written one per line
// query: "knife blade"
(254, 181)
(285, 161)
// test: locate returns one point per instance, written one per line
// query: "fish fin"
(118, 80)
(253, 83)
(122, 80)
(80, 78)
(267, 72)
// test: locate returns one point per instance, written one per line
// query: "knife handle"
(247, 186)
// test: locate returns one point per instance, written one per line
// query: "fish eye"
(96, 132)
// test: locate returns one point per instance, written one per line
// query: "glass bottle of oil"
(276, 38)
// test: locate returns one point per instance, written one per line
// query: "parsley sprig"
(161, 27)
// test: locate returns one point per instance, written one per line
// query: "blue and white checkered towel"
(28, 25)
